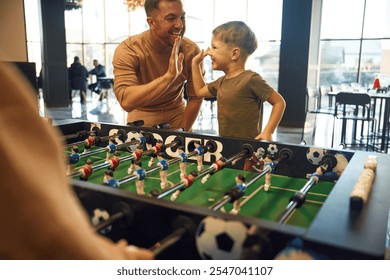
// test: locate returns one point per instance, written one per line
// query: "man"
(152, 69)
(78, 74)
(100, 72)
(41, 215)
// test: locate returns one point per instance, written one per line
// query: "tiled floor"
(205, 123)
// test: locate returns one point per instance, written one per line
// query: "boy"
(240, 93)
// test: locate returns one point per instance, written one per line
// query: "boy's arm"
(278, 107)
(200, 86)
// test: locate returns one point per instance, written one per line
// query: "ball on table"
(315, 155)
(217, 239)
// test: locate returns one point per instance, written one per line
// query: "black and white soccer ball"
(315, 155)
(217, 239)
(272, 149)
(100, 215)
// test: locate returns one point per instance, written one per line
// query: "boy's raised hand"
(200, 56)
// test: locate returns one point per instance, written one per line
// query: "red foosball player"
(74, 158)
(86, 170)
(137, 154)
(187, 181)
(111, 148)
(183, 161)
(156, 149)
(89, 142)
(114, 161)
(215, 167)
(240, 189)
(255, 162)
(163, 164)
(140, 173)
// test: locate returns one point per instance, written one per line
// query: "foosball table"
(196, 196)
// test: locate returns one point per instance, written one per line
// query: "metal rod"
(114, 218)
(168, 241)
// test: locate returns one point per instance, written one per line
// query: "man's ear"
(150, 22)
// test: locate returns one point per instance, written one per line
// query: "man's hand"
(176, 60)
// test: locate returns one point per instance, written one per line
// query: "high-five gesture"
(176, 59)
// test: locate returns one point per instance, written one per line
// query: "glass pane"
(93, 20)
(199, 21)
(227, 10)
(73, 50)
(138, 22)
(117, 21)
(32, 18)
(375, 62)
(377, 19)
(339, 62)
(265, 61)
(342, 19)
(93, 51)
(110, 49)
(74, 26)
(34, 54)
(265, 18)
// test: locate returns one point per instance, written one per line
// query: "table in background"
(381, 110)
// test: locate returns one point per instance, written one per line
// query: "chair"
(106, 85)
(326, 100)
(355, 107)
(314, 105)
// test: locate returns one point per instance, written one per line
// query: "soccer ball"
(272, 149)
(100, 215)
(217, 239)
(315, 155)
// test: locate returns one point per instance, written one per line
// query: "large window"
(94, 31)
(354, 42)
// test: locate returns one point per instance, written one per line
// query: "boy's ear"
(236, 53)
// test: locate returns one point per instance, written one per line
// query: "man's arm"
(135, 96)
(42, 216)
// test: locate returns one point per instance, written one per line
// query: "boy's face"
(220, 54)
(168, 22)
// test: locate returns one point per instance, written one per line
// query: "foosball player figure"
(215, 167)
(86, 170)
(155, 150)
(140, 173)
(109, 179)
(238, 190)
(187, 181)
(267, 183)
(199, 157)
(111, 148)
(163, 164)
(137, 154)
(255, 162)
(114, 161)
(89, 142)
(74, 158)
(183, 161)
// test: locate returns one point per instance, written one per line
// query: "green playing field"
(256, 202)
